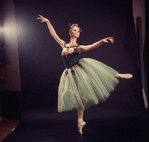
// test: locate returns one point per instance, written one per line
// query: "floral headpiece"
(74, 25)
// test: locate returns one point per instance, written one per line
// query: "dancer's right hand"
(43, 19)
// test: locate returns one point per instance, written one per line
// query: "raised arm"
(51, 29)
(85, 48)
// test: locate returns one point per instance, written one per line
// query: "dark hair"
(74, 25)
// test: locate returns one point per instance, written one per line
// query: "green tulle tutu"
(85, 84)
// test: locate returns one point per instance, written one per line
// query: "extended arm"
(85, 48)
(52, 30)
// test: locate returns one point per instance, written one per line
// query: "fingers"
(110, 39)
(40, 17)
(43, 19)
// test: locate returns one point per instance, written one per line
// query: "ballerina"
(84, 82)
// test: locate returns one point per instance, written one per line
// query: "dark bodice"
(71, 59)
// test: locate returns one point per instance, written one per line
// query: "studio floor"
(55, 127)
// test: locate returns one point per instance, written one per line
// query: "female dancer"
(84, 82)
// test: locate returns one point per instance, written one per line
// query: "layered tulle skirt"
(85, 84)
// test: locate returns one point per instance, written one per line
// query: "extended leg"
(81, 123)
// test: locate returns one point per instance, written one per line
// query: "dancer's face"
(75, 32)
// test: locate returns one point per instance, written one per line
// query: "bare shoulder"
(79, 48)
(67, 44)
(62, 43)
(83, 48)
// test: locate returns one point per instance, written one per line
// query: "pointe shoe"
(80, 127)
(126, 76)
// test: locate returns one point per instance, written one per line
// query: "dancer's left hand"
(106, 40)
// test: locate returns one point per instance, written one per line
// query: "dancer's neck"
(73, 41)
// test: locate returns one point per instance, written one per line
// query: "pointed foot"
(125, 76)
(80, 127)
